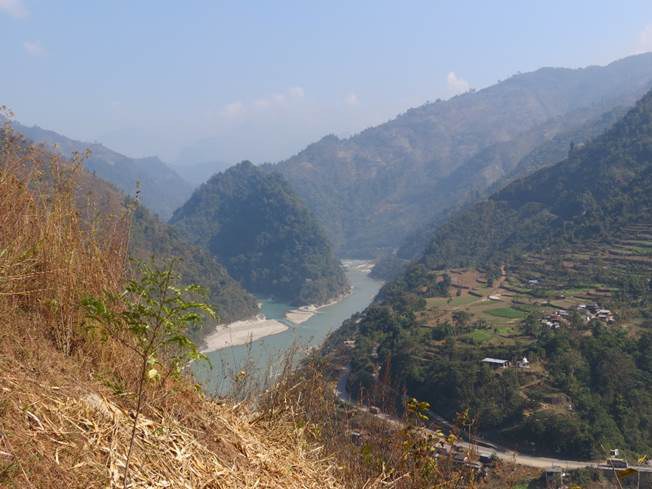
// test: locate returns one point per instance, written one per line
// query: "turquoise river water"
(262, 358)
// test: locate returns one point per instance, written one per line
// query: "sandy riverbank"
(242, 332)
(303, 313)
(365, 266)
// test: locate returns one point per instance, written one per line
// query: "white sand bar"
(242, 332)
(301, 315)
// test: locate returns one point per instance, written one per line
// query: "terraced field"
(488, 319)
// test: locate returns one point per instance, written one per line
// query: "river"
(262, 358)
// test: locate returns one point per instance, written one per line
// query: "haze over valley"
(308, 246)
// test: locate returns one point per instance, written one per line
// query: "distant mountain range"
(593, 193)
(254, 224)
(373, 189)
(160, 188)
(198, 173)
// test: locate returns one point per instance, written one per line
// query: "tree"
(151, 317)
(461, 318)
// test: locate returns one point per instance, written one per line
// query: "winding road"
(482, 447)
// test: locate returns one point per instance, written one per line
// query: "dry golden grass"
(68, 432)
(66, 397)
(48, 259)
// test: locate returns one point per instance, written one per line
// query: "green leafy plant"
(152, 317)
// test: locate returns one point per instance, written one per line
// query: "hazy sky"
(261, 79)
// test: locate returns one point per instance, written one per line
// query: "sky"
(207, 80)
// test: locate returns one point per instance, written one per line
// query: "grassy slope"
(66, 395)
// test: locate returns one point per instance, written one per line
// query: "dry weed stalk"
(64, 395)
(49, 258)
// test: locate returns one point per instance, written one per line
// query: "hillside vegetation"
(372, 189)
(68, 390)
(267, 239)
(67, 394)
(158, 186)
(590, 195)
(151, 237)
(514, 277)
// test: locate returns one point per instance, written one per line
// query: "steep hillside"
(556, 269)
(257, 226)
(68, 392)
(473, 173)
(153, 238)
(599, 188)
(160, 188)
(372, 189)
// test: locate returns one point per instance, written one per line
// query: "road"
(482, 447)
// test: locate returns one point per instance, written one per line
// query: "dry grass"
(66, 398)
(48, 258)
(73, 433)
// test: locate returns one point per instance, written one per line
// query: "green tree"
(152, 317)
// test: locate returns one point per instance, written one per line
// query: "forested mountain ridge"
(258, 227)
(151, 238)
(599, 187)
(160, 188)
(567, 135)
(372, 189)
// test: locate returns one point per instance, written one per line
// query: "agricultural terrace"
(487, 315)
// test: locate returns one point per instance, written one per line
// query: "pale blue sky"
(261, 79)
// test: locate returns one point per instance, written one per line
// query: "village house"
(594, 311)
(556, 319)
(496, 362)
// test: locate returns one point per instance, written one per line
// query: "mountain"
(371, 190)
(152, 238)
(198, 173)
(159, 187)
(257, 226)
(599, 188)
(547, 153)
(555, 268)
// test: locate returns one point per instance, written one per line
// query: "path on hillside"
(480, 446)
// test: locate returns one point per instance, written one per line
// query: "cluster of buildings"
(556, 320)
(588, 312)
(594, 311)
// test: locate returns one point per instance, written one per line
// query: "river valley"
(263, 357)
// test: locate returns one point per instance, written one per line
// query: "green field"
(642, 250)
(504, 330)
(507, 313)
(480, 335)
(463, 300)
